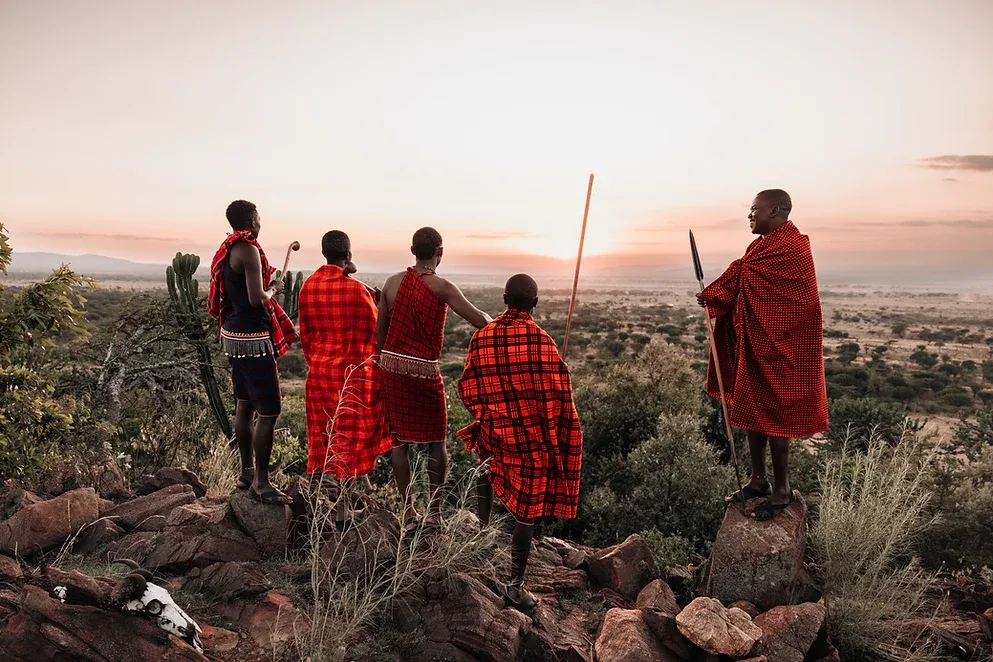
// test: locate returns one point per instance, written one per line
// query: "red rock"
(45, 629)
(665, 628)
(96, 535)
(746, 607)
(167, 476)
(718, 630)
(149, 513)
(760, 562)
(789, 632)
(658, 595)
(624, 568)
(218, 640)
(227, 580)
(48, 524)
(9, 568)
(268, 525)
(466, 614)
(272, 622)
(625, 637)
(13, 497)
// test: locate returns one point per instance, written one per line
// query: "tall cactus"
(184, 292)
(291, 293)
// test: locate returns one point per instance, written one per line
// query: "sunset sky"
(127, 126)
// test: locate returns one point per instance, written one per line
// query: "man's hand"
(277, 287)
(701, 301)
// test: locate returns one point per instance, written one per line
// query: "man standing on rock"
(346, 424)
(411, 333)
(526, 430)
(768, 334)
(254, 331)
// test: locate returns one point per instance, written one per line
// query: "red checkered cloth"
(526, 430)
(281, 328)
(346, 424)
(769, 335)
(412, 387)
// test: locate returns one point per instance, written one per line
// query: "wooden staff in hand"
(698, 270)
(294, 246)
(579, 261)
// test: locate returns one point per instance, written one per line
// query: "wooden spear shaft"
(579, 261)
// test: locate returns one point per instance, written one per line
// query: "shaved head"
(777, 197)
(770, 209)
(521, 292)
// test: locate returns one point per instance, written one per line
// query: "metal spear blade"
(697, 267)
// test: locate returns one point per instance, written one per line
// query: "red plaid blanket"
(413, 389)
(281, 327)
(769, 335)
(346, 424)
(527, 430)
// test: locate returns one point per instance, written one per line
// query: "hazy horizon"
(127, 128)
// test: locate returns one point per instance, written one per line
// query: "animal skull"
(139, 596)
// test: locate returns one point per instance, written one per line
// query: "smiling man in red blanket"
(254, 331)
(768, 334)
(346, 425)
(526, 430)
(411, 333)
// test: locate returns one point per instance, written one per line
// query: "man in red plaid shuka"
(254, 330)
(346, 424)
(526, 430)
(411, 332)
(768, 335)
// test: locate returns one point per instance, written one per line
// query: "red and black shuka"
(526, 430)
(346, 425)
(412, 387)
(251, 337)
(769, 337)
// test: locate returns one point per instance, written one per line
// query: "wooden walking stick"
(579, 261)
(294, 246)
(698, 269)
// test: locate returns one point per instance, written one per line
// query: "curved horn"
(129, 563)
(131, 587)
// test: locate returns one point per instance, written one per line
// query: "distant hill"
(91, 265)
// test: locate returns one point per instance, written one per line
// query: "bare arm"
(251, 262)
(383, 320)
(453, 296)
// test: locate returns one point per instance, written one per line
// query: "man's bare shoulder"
(439, 285)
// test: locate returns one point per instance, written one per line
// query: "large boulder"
(10, 569)
(658, 595)
(363, 548)
(559, 632)
(48, 524)
(96, 535)
(198, 535)
(464, 613)
(789, 632)
(665, 628)
(718, 630)
(268, 525)
(625, 637)
(149, 513)
(168, 476)
(760, 562)
(625, 568)
(45, 629)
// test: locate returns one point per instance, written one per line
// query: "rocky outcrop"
(657, 595)
(198, 535)
(13, 497)
(226, 580)
(45, 629)
(96, 535)
(48, 524)
(719, 631)
(169, 476)
(626, 568)
(272, 622)
(789, 632)
(268, 525)
(625, 637)
(759, 562)
(149, 513)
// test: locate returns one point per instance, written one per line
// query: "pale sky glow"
(124, 121)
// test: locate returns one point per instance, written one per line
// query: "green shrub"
(857, 420)
(962, 537)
